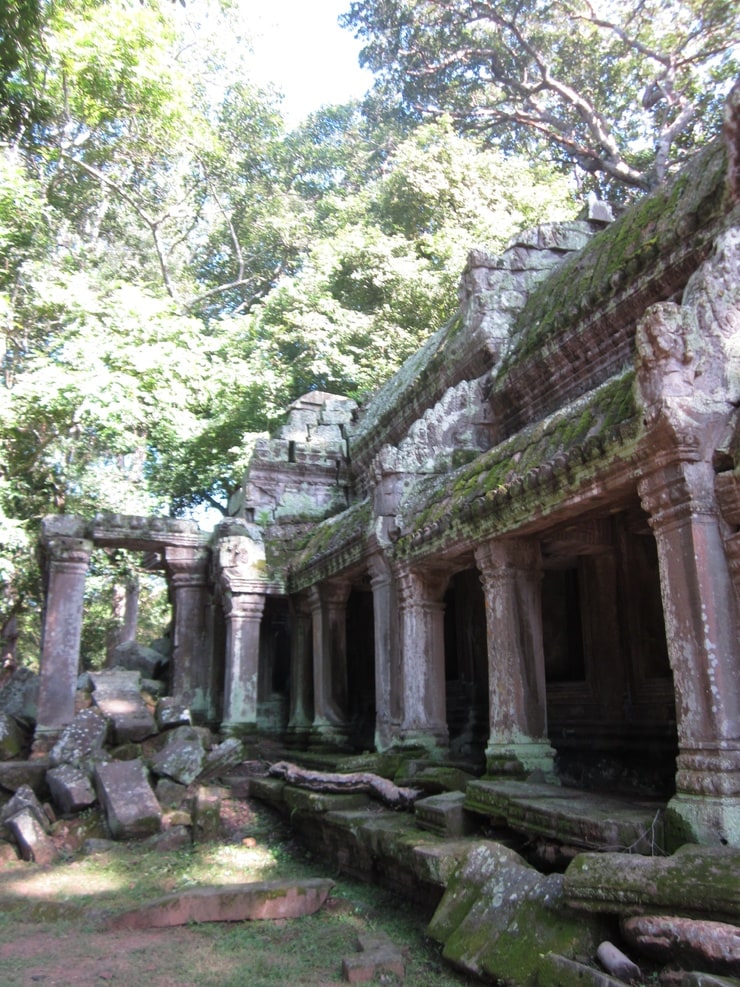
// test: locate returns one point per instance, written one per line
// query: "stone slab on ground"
(131, 809)
(377, 955)
(117, 695)
(568, 815)
(499, 917)
(229, 903)
(696, 881)
(270, 790)
(710, 946)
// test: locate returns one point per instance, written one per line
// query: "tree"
(381, 275)
(622, 90)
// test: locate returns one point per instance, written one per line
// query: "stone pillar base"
(434, 741)
(330, 735)
(240, 730)
(298, 737)
(520, 760)
(709, 820)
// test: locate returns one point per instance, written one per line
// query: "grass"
(50, 930)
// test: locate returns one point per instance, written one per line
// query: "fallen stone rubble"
(139, 770)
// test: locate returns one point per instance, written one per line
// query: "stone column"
(68, 557)
(387, 671)
(301, 670)
(328, 603)
(192, 648)
(423, 699)
(700, 609)
(511, 574)
(243, 613)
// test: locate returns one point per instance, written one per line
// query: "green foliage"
(175, 268)
(383, 276)
(623, 91)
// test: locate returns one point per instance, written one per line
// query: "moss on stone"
(685, 209)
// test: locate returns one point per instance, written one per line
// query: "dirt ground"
(51, 919)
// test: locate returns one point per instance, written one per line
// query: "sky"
(300, 48)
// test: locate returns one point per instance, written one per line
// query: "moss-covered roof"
(545, 458)
(683, 212)
(329, 546)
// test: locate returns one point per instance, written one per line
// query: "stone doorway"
(610, 697)
(466, 666)
(361, 667)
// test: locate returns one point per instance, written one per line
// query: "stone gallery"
(520, 557)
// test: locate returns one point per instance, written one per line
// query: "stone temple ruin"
(517, 563)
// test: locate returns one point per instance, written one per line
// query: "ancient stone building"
(521, 554)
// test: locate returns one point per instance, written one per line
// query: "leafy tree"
(383, 275)
(622, 90)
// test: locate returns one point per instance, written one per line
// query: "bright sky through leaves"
(300, 48)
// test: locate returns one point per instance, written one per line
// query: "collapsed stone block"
(444, 815)
(25, 798)
(172, 713)
(33, 841)
(82, 739)
(19, 695)
(117, 695)
(16, 774)
(377, 955)
(170, 793)
(135, 657)
(206, 814)
(182, 756)
(234, 903)
(131, 810)
(12, 738)
(711, 946)
(499, 917)
(223, 756)
(695, 882)
(70, 788)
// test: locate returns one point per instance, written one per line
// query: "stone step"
(592, 821)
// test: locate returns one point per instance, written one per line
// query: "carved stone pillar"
(301, 670)
(192, 647)
(699, 606)
(511, 576)
(240, 563)
(387, 671)
(68, 559)
(423, 699)
(243, 613)
(329, 609)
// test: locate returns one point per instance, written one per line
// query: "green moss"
(652, 228)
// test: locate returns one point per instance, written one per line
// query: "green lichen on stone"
(602, 418)
(683, 210)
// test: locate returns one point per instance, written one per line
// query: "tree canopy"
(176, 267)
(621, 89)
